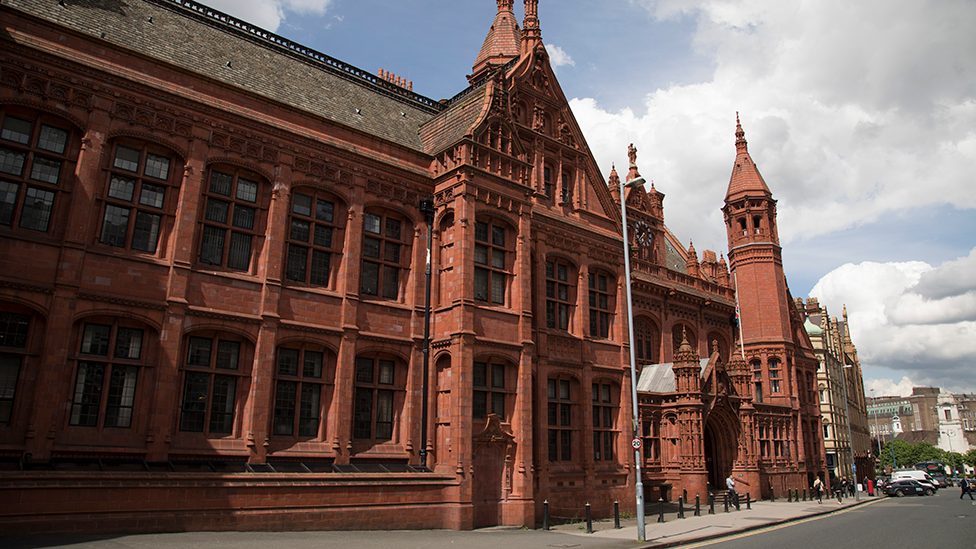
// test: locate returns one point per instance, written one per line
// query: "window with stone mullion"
(382, 253)
(105, 349)
(491, 263)
(231, 220)
(604, 412)
(298, 392)
(560, 419)
(373, 406)
(211, 369)
(310, 237)
(35, 162)
(601, 305)
(490, 392)
(136, 197)
(558, 295)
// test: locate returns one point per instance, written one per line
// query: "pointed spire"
(502, 44)
(614, 183)
(746, 179)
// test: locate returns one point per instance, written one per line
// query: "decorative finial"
(632, 154)
(740, 136)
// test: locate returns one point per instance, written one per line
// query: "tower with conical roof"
(503, 43)
(755, 255)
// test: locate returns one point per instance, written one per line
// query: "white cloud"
(558, 57)
(852, 110)
(268, 14)
(898, 328)
(887, 387)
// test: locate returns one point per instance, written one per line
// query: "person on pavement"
(818, 488)
(730, 484)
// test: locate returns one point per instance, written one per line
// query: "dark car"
(908, 487)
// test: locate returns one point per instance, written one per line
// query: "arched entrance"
(721, 446)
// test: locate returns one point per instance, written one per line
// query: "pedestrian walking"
(818, 488)
(967, 488)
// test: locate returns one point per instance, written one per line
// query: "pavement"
(672, 532)
(676, 531)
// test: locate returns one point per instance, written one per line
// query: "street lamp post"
(847, 410)
(953, 457)
(876, 427)
(639, 486)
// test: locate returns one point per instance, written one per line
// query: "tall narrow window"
(559, 295)
(375, 400)
(36, 159)
(110, 356)
(601, 304)
(491, 391)
(14, 329)
(383, 255)
(313, 239)
(299, 391)
(547, 181)
(211, 371)
(774, 373)
(491, 262)
(566, 191)
(141, 192)
(560, 419)
(604, 412)
(232, 217)
(646, 339)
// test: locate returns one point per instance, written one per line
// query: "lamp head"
(636, 182)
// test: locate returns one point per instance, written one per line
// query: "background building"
(945, 420)
(213, 301)
(845, 423)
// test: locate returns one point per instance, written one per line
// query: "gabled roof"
(659, 378)
(203, 41)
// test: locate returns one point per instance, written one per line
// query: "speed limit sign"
(636, 443)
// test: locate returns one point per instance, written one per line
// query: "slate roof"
(659, 378)
(203, 40)
(450, 126)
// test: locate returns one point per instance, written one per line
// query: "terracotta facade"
(214, 290)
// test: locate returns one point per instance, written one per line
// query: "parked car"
(920, 476)
(908, 487)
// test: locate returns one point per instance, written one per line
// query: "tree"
(970, 458)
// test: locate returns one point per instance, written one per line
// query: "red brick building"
(213, 293)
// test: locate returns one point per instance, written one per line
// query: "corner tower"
(755, 256)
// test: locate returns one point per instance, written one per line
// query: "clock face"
(642, 234)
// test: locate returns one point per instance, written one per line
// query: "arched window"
(215, 362)
(302, 379)
(37, 157)
(606, 401)
(602, 303)
(561, 417)
(140, 197)
(314, 238)
(494, 389)
(647, 345)
(111, 352)
(560, 293)
(15, 324)
(493, 259)
(379, 384)
(384, 254)
(234, 213)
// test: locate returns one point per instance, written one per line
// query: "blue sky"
(861, 117)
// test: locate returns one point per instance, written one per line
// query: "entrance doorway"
(720, 447)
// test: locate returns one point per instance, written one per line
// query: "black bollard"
(804, 494)
(545, 515)
(697, 505)
(711, 503)
(748, 501)
(681, 507)
(772, 493)
(684, 492)
(789, 495)
(726, 500)
(660, 512)
(589, 519)
(616, 514)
